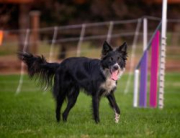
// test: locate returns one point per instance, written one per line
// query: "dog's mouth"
(114, 74)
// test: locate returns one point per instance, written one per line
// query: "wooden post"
(35, 32)
(23, 24)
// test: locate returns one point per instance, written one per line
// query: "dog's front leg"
(95, 104)
(115, 107)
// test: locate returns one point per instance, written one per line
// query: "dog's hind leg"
(72, 97)
(59, 96)
(59, 102)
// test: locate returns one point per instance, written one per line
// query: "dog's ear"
(123, 49)
(106, 49)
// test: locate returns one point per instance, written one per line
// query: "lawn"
(31, 113)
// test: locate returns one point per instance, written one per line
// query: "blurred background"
(59, 29)
(41, 17)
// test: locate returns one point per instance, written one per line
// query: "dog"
(97, 77)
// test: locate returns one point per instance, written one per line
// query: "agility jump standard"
(143, 66)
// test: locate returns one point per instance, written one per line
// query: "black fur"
(77, 73)
(39, 68)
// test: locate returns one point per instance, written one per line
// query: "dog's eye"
(118, 58)
(111, 59)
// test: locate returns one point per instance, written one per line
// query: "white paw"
(117, 117)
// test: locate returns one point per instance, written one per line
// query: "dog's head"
(113, 61)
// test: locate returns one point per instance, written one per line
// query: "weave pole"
(154, 70)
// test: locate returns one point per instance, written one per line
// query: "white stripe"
(22, 64)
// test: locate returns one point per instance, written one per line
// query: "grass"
(31, 114)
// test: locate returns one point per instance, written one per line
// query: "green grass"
(31, 114)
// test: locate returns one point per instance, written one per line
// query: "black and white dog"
(97, 77)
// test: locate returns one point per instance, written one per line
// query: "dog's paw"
(117, 117)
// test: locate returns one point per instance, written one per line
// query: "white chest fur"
(108, 85)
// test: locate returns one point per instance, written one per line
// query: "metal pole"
(162, 55)
(110, 31)
(133, 55)
(145, 32)
(136, 86)
(53, 43)
(81, 39)
(144, 69)
(18, 90)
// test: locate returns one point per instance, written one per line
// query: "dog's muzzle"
(115, 71)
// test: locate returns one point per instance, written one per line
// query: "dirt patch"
(7, 66)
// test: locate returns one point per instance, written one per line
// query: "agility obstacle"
(143, 68)
(157, 62)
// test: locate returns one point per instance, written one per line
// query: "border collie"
(97, 77)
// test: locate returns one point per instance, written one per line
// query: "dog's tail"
(39, 68)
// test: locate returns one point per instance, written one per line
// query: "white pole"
(145, 29)
(80, 40)
(18, 90)
(163, 55)
(52, 43)
(110, 31)
(132, 62)
(136, 86)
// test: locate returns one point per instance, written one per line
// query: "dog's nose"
(115, 67)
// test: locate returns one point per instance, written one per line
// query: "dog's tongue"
(114, 75)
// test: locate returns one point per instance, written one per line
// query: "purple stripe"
(154, 70)
(143, 80)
